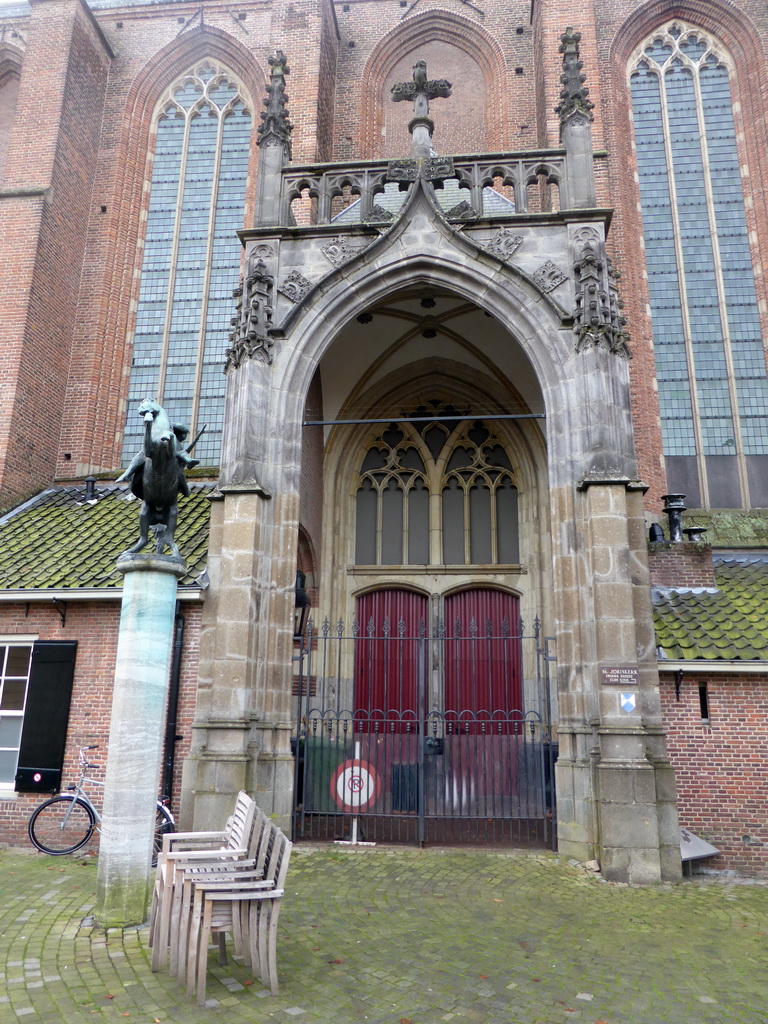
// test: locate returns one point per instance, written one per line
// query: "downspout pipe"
(171, 736)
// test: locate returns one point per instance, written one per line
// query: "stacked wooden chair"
(208, 884)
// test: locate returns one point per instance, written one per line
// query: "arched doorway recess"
(427, 710)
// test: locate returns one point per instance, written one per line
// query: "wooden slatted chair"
(193, 841)
(245, 909)
(260, 869)
(254, 868)
(229, 845)
(268, 911)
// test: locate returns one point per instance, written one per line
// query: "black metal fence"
(463, 753)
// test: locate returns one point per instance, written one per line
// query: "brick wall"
(506, 85)
(489, 60)
(681, 565)
(721, 766)
(52, 150)
(95, 627)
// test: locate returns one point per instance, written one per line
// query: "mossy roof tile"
(728, 624)
(59, 540)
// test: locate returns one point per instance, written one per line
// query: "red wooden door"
(482, 661)
(389, 656)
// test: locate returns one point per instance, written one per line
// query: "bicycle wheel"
(61, 825)
(163, 825)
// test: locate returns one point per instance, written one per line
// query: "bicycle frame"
(78, 792)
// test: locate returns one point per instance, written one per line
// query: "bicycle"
(66, 822)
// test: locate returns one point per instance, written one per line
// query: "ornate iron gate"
(454, 745)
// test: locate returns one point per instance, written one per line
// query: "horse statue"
(157, 477)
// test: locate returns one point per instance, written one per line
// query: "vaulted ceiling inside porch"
(439, 335)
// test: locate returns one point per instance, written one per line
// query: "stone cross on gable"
(421, 90)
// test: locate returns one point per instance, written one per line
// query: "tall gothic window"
(191, 258)
(437, 493)
(710, 361)
(9, 91)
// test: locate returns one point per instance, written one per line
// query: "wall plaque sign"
(619, 675)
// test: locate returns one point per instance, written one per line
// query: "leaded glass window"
(437, 493)
(710, 360)
(191, 258)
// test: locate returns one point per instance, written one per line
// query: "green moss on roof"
(727, 623)
(732, 529)
(58, 540)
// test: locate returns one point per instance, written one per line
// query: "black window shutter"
(46, 716)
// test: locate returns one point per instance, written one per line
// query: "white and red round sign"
(355, 785)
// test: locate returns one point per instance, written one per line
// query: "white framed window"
(15, 662)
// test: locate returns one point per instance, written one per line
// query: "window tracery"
(190, 266)
(710, 361)
(438, 492)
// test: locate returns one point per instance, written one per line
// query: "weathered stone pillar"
(136, 736)
(242, 729)
(615, 786)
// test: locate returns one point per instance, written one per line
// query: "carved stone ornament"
(597, 319)
(295, 286)
(587, 236)
(276, 128)
(504, 243)
(263, 251)
(574, 95)
(436, 168)
(13, 35)
(338, 251)
(431, 168)
(250, 337)
(402, 170)
(549, 276)
(462, 211)
(378, 213)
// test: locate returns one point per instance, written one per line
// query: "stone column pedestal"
(136, 736)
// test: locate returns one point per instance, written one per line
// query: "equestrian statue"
(156, 475)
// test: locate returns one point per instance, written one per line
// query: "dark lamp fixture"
(302, 605)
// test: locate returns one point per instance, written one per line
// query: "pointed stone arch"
(733, 28)
(538, 327)
(438, 26)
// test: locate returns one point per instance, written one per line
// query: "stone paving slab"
(403, 936)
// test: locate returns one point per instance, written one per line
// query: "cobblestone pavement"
(391, 936)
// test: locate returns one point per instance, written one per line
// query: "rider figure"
(183, 456)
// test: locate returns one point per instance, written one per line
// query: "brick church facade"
(465, 296)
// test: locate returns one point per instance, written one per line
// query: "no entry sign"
(354, 785)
